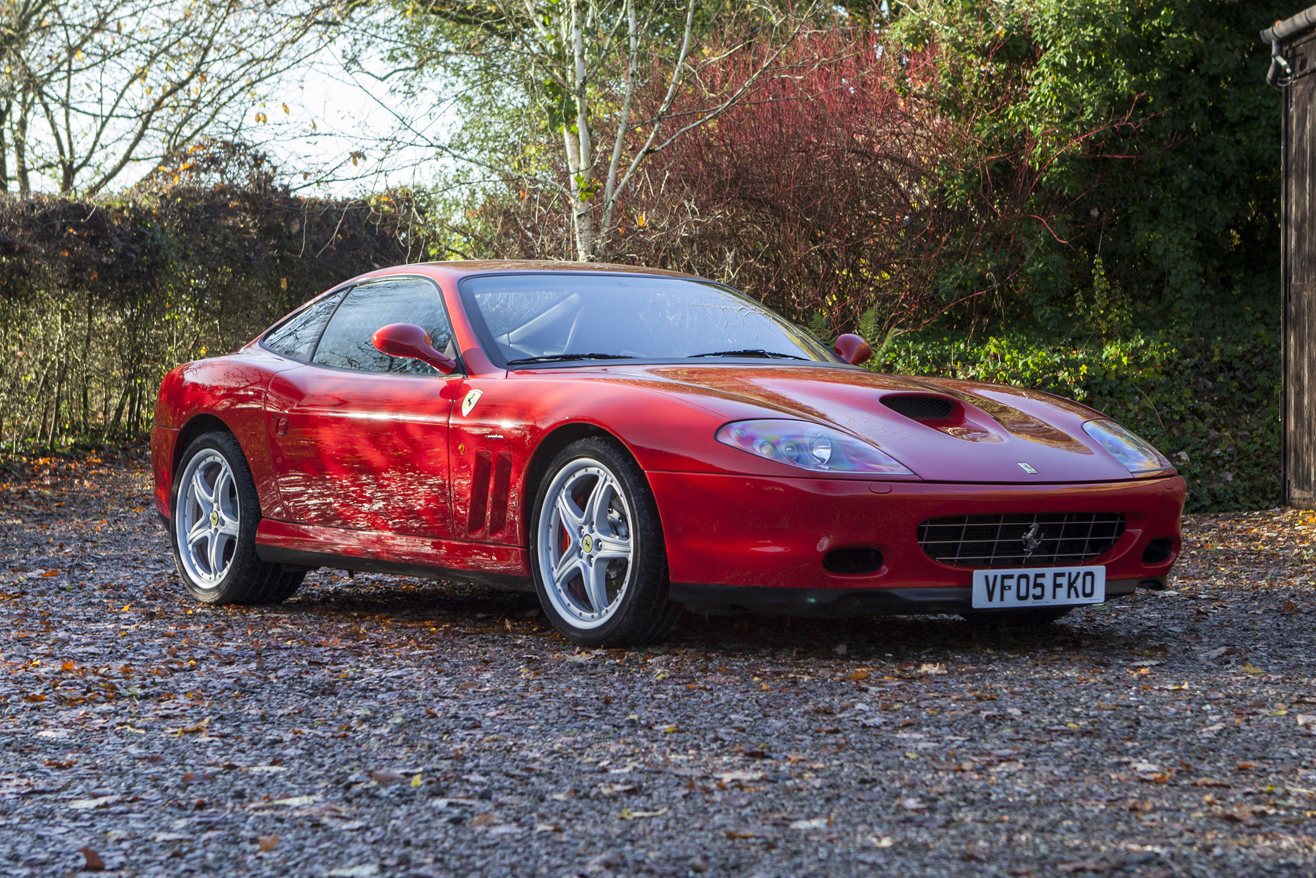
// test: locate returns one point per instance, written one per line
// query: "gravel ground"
(389, 726)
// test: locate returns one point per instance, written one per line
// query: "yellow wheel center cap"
(587, 543)
(214, 518)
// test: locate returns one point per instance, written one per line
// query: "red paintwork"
(783, 527)
(853, 349)
(408, 340)
(385, 466)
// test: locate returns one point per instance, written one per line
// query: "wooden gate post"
(1293, 71)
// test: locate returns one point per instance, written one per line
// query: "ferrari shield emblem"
(469, 402)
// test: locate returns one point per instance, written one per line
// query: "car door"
(360, 439)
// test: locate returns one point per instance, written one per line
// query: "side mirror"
(853, 349)
(410, 341)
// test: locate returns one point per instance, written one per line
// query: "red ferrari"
(628, 442)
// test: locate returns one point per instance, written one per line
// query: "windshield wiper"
(749, 352)
(562, 358)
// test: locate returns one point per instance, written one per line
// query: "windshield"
(527, 319)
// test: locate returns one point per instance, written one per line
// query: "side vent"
(502, 480)
(920, 408)
(479, 492)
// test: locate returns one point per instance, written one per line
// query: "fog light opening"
(1158, 552)
(854, 561)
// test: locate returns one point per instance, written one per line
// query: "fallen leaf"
(912, 804)
(1211, 782)
(191, 730)
(268, 843)
(1304, 719)
(1249, 668)
(88, 804)
(628, 814)
(1084, 866)
(93, 863)
(616, 789)
(815, 823)
(387, 776)
(296, 801)
(606, 861)
(483, 820)
(1241, 814)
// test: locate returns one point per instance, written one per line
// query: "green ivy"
(1211, 406)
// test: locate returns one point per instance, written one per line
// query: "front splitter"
(838, 603)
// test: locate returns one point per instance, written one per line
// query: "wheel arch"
(196, 426)
(547, 449)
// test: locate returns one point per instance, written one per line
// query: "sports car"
(628, 443)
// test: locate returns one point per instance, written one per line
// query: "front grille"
(1060, 538)
(921, 408)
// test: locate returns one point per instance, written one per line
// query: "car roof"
(458, 270)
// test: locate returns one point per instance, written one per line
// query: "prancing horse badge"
(469, 402)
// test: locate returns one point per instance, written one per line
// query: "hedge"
(99, 298)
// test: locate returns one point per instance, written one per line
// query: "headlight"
(1136, 453)
(809, 446)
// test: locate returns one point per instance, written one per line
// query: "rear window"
(296, 336)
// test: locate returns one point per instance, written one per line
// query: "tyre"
(596, 549)
(214, 513)
(1026, 618)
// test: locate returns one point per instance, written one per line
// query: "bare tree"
(89, 89)
(573, 70)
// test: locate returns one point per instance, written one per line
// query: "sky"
(334, 114)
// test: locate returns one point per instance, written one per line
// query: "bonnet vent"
(921, 408)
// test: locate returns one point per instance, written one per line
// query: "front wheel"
(596, 549)
(212, 528)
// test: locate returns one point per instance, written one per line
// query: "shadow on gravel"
(476, 608)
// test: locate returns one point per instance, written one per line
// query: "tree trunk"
(580, 150)
(4, 160)
(20, 153)
(113, 425)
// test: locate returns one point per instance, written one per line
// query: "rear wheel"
(212, 527)
(1026, 618)
(596, 549)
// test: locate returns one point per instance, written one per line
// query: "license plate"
(1038, 587)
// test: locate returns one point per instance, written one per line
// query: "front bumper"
(773, 533)
(840, 603)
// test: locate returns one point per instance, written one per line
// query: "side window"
(296, 337)
(346, 341)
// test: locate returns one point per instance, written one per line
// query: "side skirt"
(308, 546)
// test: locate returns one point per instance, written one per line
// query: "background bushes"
(100, 297)
(1211, 406)
(1070, 195)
